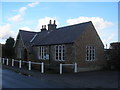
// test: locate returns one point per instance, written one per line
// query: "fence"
(3, 60)
(75, 67)
(20, 63)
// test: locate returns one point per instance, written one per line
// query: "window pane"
(60, 47)
(63, 54)
(56, 58)
(87, 58)
(56, 48)
(90, 53)
(59, 57)
(90, 58)
(59, 52)
(63, 57)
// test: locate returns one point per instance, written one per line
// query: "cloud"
(22, 9)
(16, 18)
(33, 4)
(5, 31)
(109, 39)
(98, 22)
(45, 21)
(42, 21)
(19, 16)
(26, 28)
(100, 25)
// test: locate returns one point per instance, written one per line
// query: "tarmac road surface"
(11, 79)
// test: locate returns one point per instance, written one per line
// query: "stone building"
(113, 56)
(78, 43)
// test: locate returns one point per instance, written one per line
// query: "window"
(90, 53)
(43, 53)
(60, 52)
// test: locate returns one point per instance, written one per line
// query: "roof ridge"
(74, 24)
(28, 31)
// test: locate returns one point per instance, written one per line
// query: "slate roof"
(61, 35)
(26, 35)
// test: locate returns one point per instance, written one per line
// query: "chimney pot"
(54, 21)
(51, 26)
(44, 26)
(50, 21)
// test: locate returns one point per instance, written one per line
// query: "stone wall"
(76, 52)
(69, 58)
(19, 44)
(54, 64)
(87, 38)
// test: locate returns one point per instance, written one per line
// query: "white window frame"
(38, 52)
(58, 57)
(42, 53)
(90, 56)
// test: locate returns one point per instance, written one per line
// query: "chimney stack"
(43, 28)
(50, 22)
(51, 26)
(54, 21)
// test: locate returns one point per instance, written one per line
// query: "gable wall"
(89, 37)
(19, 45)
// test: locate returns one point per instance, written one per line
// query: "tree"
(8, 48)
(3, 50)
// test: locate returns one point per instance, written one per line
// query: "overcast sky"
(32, 15)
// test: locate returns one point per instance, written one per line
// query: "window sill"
(44, 59)
(60, 60)
(90, 60)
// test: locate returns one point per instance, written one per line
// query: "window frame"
(90, 53)
(60, 54)
(42, 52)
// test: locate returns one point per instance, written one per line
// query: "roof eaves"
(52, 44)
(22, 40)
(16, 41)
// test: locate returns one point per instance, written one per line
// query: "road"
(12, 79)
(96, 79)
